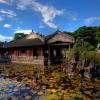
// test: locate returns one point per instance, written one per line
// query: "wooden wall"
(25, 55)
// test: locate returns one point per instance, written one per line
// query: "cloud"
(48, 13)
(6, 1)
(9, 13)
(92, 19)
(23, 4)
(41, 26)
(74, 18)
(23, 31)
(5, 38)
(7, 25)
(1, 19)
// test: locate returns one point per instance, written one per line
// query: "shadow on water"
(5, 59)
(4, 62)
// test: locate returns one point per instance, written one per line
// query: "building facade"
(37, 49)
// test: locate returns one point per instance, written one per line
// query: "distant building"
(38, 49)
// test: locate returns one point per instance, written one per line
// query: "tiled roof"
(56, 32)
(32, 42)
(24, 42)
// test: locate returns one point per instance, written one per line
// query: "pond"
(52, 85)
(10, 89)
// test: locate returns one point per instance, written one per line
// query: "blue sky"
(46, 16)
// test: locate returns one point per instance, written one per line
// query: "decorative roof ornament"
(58, 30)
(32, 30)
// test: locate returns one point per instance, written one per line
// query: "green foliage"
(70, 54)
(90, 55)
(88, 34)
(19, 36)
(1, 43)
(87, 38)
(88, 46)
(93, 55)
(82, 46)
(69, 33)
(98, 35)
(97, 58)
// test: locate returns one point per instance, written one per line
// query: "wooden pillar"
(41, 55)
(49, 55)
(40, 52)
(69, 47)
(29, 52)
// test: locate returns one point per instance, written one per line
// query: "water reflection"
(10, 89)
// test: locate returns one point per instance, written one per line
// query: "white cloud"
(4, 1)
(1, 19)
(4, 38)
(41, 26)
(74, 18)
(23, 31)
(23, 4)
(7, 25)
(48, 13)
(18, 28)
(92, 19)
(9, 13)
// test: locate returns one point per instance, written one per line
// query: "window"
(23, 50)
(54, 53)
(35, 53)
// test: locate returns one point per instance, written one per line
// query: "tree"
(98, 35)
(88, 34)
(1, 43)
(69, 33)
(19, 36)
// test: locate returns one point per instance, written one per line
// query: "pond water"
(10, 88)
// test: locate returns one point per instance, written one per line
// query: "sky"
(46, 16)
